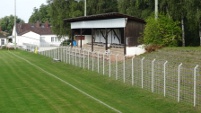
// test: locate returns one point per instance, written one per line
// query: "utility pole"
(156, 9)
(85, 7)
(15, 23)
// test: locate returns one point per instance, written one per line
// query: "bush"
(151, 48)
(163, 32)
(65, 42)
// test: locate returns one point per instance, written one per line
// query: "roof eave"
(103, 16)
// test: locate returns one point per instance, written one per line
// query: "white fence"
(177, 81)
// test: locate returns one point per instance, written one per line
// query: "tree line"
(7, 22)
(186, 13)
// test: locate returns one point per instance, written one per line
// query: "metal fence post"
(83, 59)
(109, 65)
(45, 53)
(103, 64)
(116, 67)
(152, 75)
(98, 63)
(88, 59)
(61, 53)
(195, 86)
(179, 82)
(164, 78)
(92, 59)
(69, 49)
(80, 57)
(72, 58)
(52, 53)
(124, 69)
(75, 57)
(142, 73)
(66, 55)
(133, 70)
(57, 53)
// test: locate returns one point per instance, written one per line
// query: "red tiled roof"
(40, 29)
(3, 34)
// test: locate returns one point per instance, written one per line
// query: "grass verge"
(25, 88)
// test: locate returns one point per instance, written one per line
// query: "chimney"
(37, 24)
(46, 24)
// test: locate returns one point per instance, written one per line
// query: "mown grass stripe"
(68, 84)
(127, 99)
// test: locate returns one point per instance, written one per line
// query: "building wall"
(3, 41)
(112, 38)
(35, 39)
(133, 31)
(50, 40)
(87, 39)
(29, 38)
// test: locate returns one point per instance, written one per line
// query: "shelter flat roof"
(112, 15)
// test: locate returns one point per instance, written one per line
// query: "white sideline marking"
(68, 84)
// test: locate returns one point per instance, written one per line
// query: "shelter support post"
(81, 38)
(72, 32)
(92, 40)
(106, 39)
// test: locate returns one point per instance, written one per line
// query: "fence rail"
(177, 81)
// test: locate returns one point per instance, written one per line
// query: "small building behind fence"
(109, 30)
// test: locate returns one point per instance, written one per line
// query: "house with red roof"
(37, 35)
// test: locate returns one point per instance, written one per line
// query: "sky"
(24, 8)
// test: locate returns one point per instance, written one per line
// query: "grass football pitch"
(31, 83)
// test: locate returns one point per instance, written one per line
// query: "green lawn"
(187, 55)
(40, 85)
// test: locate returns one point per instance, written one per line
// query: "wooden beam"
(92, 40)
(102, 34)
(72, 32)
(116, 36)
(81, 38)
(106, 39)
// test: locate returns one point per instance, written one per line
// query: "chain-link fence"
(178, 81)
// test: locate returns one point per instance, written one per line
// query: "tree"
(137, 8)
(101, 6)
(188, 12)
(60, 10)
(178, 11)
(163, 31)
(194, 17)
(40, 14)
(7, 23)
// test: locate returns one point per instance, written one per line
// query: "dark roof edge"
(104, 16)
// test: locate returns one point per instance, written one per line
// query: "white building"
(3, 40)
(39, 35)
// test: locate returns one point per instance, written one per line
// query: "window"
(52, 39)
(2, 41)
(56, 39)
